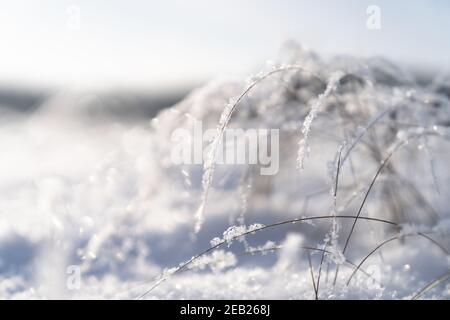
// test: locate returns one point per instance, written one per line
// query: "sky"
(157, 44)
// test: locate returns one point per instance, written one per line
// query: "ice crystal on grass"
(216, 241)
(306, 221)
(316, 108)
(236, 232)
(233, 232)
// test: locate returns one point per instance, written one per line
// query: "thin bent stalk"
(348, 263)
(383, 163)
(360, 210)
(369, 125)
(220, 244)
(431, 285)
(338, 167)
(392, 239)
(312, 276)
(365, 198)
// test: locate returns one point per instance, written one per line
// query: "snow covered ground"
(96, 209)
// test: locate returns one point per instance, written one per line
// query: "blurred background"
(154, 45)
(158, 51)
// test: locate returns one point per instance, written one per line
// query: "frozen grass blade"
(303, 148)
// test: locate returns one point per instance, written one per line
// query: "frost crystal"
(215, 241)
(303, 149)
(235, 232)
(336, 255)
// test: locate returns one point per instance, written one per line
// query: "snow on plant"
(303, 149)
(333, 236)
(236, 233)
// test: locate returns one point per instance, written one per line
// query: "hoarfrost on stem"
(303, 149)
(235, 232)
